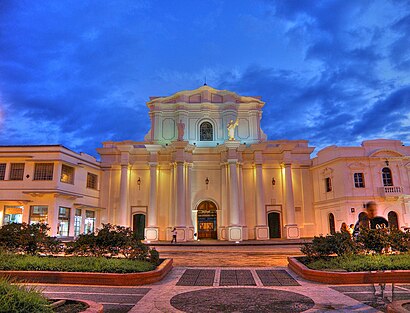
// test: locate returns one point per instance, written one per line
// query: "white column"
(188, 209)
(180, 202)
(261, 229)
(222, 218)
(242, 202)
(180, 209)
(152, 208)
(260, 199)
(152, 230)
(235, 228)
(122, 215)
(292, 230)
(234, 214)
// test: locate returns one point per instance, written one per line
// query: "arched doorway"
(332, 226)
(207, 227)
(138, 225)
(393, 220)
(274, 224)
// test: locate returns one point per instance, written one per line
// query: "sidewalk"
(210, 242)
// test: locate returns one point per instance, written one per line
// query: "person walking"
(370, 219)
(174, 235)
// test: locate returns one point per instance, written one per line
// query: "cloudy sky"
(79, 72)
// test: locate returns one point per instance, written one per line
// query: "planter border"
(93, 307)
(345, 278)
(397, 306)
(88, 278)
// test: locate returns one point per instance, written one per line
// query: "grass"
(12, 262)
(361, 263)
(21, 299)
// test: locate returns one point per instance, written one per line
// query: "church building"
(206, 168)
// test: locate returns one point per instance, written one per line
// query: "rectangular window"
(328, 182)
(38, 214)
(358, 180)
(63, 222)
(16, 171)
(89, 222)
(67, 174)
(43, 171)
(13, 214)
(77, 222)
(2, 171)
(92, 181)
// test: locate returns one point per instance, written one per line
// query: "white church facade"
(206, 168)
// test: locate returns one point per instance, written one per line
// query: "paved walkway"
(220, 278)
(234, 289)
(237, 256)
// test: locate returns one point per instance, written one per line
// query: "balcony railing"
(391, 191)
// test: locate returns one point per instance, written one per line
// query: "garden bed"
(14, 262)
(125, 275)
(360, 263)
(336, 276)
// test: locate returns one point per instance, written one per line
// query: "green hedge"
(360, 263)
(21, 299)
(369, 241)
(72, 264)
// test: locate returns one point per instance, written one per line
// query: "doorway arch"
(393, 220)
(207, 220)
(274, 225)
(138, 225)
(332, 225)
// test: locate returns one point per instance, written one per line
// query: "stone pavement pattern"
(241, 300)
(250, 290)
(114, 299)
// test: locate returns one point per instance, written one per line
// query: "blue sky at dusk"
(79, 72)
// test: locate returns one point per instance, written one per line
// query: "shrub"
(25, 238)
(342, 244)
(109, 241)
(21, 299)
(373, 240)
(398, 240)
(154, 256)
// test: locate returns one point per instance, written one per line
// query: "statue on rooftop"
(231, 129)
(181, 130)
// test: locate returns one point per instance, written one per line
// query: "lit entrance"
(138, 225)
(274, 224)
(207, 228)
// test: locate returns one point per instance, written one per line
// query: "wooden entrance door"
(274, 225)
(207, 227)
(138, 225)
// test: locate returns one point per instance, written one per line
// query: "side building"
(345, 178)
(50, 184)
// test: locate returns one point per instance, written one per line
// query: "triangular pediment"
(384, 153)
(205, 94)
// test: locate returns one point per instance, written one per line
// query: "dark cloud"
(333, 72)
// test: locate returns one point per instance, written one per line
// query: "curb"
(345, 278)
(87, 278)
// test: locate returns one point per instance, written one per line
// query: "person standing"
(344, 228)
(370, 219)
(351, 229)
(174, 235)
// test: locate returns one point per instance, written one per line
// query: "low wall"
(344, 278)
(87, 278)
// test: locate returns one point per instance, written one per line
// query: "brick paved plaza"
(232, 288)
